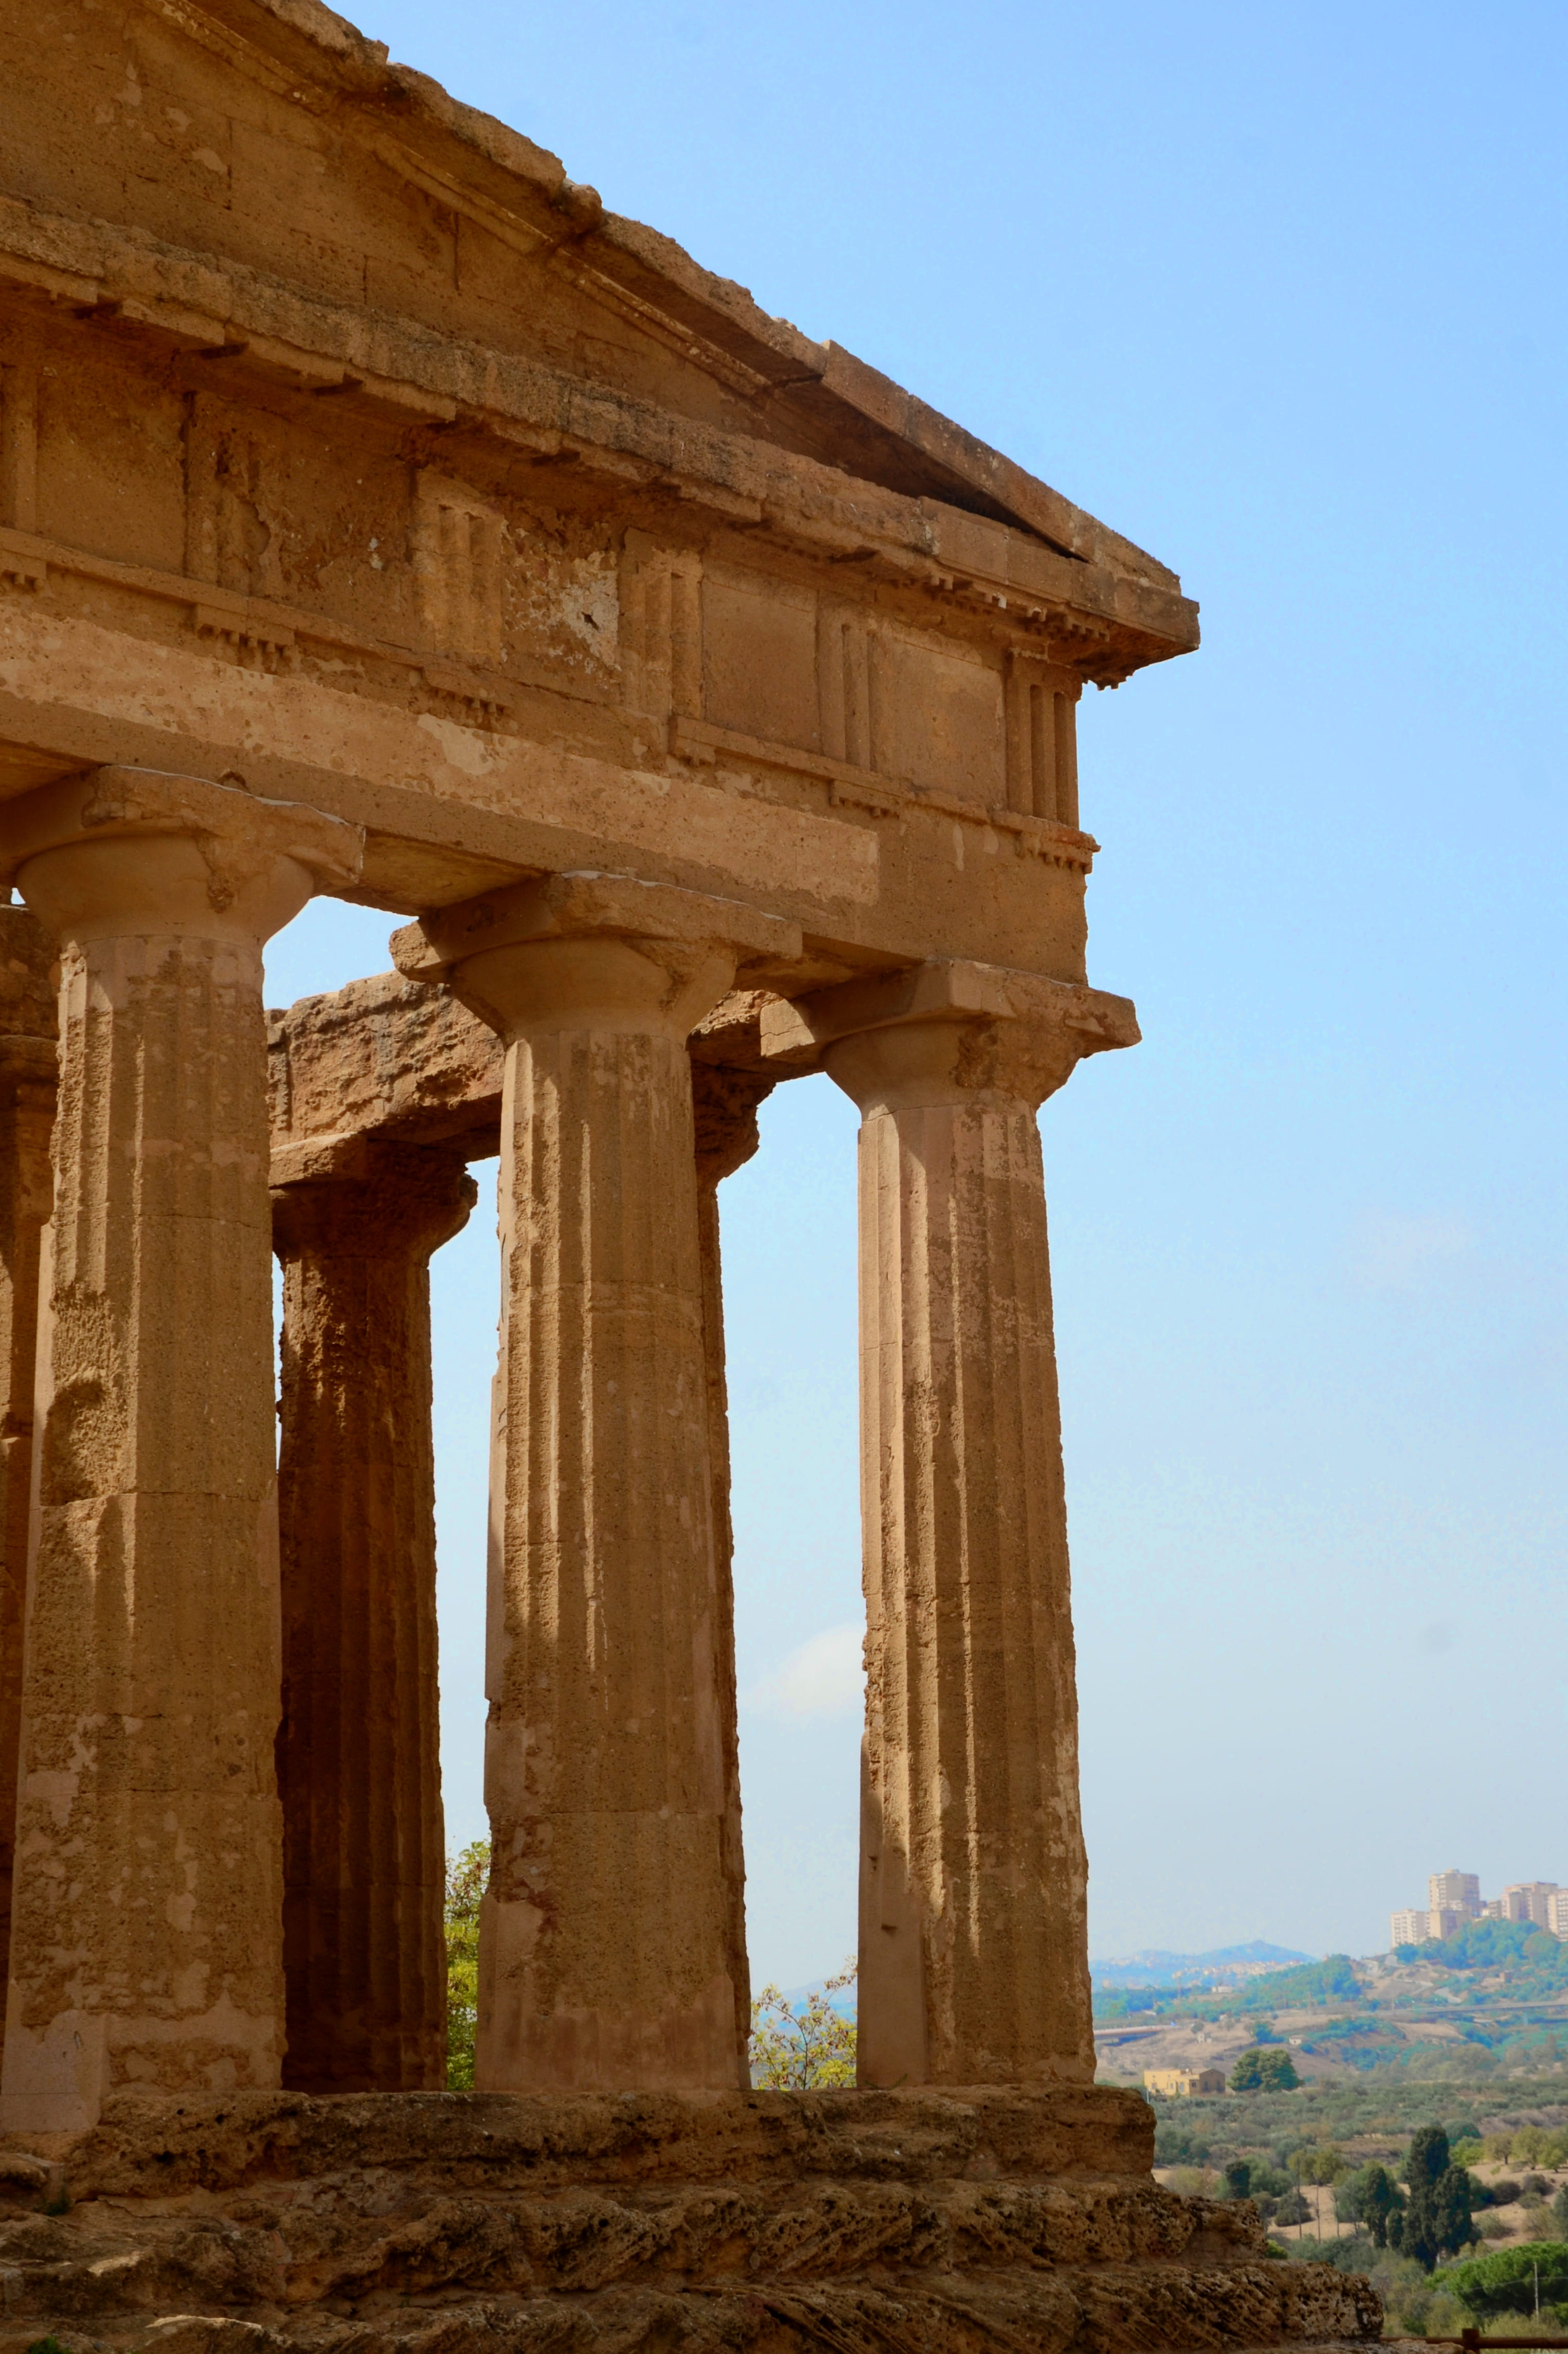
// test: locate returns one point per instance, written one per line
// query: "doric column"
(146, 1929)
(723, 1104)
(607, 1954)
(359, 1747)
(29, 1024)
(973, 1959)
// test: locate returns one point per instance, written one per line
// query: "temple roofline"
(876, 429)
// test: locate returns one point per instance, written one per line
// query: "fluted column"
(146, 1930)
(725, 1102)
(359, 1746)
(973, 1956)
(606, 1945)
(28, 1027)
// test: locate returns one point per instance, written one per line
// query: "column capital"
(606, 950)
(366, 1197)
(119, 850)
(946, 1031)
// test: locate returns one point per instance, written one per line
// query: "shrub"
(466, 1877)
(806, 2048)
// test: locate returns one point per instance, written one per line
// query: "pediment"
(271, 139)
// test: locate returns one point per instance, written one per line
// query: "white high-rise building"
(1557, 1912)
(1455, 1892)
(1407, 1929)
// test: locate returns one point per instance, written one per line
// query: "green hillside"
(1493, 1999)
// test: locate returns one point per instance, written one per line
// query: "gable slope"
(816, 397)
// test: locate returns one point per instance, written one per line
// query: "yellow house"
(1182, 2083)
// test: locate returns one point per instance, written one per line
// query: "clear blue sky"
(1277, 292)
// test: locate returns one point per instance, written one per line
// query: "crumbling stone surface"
(909, 2220)
(382, 1057)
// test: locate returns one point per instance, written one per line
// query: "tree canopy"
(799, 2048)
(1511, 2280)
(1265, 2069)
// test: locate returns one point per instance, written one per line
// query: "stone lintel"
(390, 1059)
(797, 1034)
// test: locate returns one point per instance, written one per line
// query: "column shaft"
(973, 1959)
(145, 1946)
(608, 1939)
(28, 1021)
(973, 1955)
(724, 1103)
(358, 1749)
(145, 1938)
(609, 1922)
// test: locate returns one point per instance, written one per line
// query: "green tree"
(1270, 2070)
(805, 2048)
(1324, 2165)
(466, 1876)
(1515, 2280)
(1373, 2197)
(1239, 2180)
(1438, 2219)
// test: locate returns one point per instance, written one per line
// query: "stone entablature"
(619, 571)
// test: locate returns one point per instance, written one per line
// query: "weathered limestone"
(973, 1960)
(358, 1749)
(759, 2223)
(724, 1098)
(144, 1943)
(607, 1943)
(29, 1024)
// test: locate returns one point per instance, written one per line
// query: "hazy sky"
(1278, 293)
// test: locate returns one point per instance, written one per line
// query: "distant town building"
(1454, 1900)
(1530, 1900)
(1180, 2083)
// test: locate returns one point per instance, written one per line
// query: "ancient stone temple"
(379, 517)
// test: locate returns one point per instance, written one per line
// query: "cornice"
(239, 321)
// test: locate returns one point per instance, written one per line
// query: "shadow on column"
(358, 1748)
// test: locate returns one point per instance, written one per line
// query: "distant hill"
(1158, 1967)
